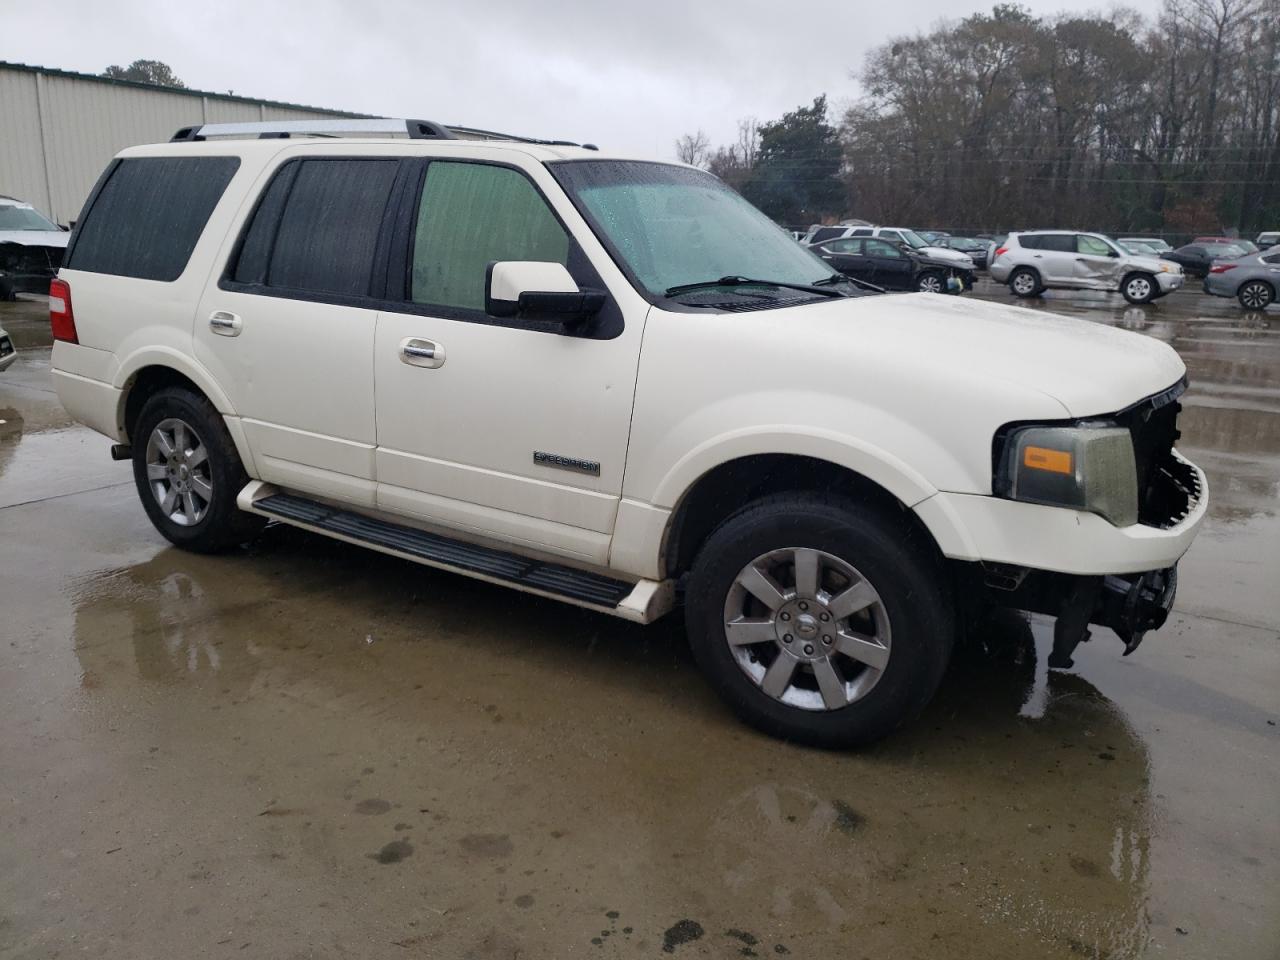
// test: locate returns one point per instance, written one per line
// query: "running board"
(641, 602)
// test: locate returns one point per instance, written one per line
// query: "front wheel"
(818, 620)
(931, 282)
(1255, 295)
(188, 473)
(1139, 288)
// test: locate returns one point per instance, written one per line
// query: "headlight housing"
(1083, 466)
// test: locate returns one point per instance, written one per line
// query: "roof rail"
(271, 129)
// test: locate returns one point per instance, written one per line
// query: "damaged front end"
(27, 268)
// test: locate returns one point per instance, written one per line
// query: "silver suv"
(1035, 261)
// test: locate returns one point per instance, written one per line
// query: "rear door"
(1056, 258)
(1096, 265)
(288, 329)
(846, 256)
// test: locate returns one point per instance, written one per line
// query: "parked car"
(979, 251)
(600, 377)
(31, 248)
(1248, 246)
(1157, 244)
(820, 233)
(8, 354)
(1196, 258)
(918, 243)
(1139, 247)
(1034, 261)
(892, 266)
(1267, 239)
(1254, 280)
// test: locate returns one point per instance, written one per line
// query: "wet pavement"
(308, 750)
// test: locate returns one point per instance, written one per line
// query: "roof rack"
(273, 129)
(385, 126)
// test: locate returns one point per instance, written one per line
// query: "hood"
(36, 238)
(943, 253)
(1089, 368)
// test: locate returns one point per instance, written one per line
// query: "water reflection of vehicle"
(1037, 829)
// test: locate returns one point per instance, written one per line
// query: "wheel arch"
(145, 373)
(724, 489)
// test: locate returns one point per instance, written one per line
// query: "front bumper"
(994, 530)
(1170, 281)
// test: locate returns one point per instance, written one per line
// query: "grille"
(1168, 486)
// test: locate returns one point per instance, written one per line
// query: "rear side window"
(328, 230)
(148, 214)
(826, 233)
(1031, 243)
(471, 215)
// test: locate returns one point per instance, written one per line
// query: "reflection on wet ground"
(303, 749)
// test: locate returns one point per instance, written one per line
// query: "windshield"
(912, 238)
(22, 218)
(672, 226)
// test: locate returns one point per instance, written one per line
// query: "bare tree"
(693, 148)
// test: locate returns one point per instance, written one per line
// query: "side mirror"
(538, 291)
(1112, 253)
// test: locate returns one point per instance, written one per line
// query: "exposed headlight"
(1086, 467)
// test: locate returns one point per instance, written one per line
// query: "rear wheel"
(1025, 282)
(1139, 288)
(818, 620)
(1256, 295)
(188, 473)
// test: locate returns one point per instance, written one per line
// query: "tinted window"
(148, 215)
(329, 229)
(1030, 243)
(1271, 258)
(1058, 242)
(826, 233)
(863, 232)
(472, 215)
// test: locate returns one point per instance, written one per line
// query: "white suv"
(614, 382)
(1033, 261)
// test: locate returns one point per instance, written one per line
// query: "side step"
(642, 602)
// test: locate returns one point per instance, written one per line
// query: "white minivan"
(614, 383)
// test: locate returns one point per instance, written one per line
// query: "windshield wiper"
(735, 281)
(841, 278)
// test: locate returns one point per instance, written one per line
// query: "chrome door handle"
(421, 353)
(225, 324)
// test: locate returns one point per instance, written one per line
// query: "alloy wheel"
(807, 628)
(1139, 288)
(1255, 296)
(930, 284)
(1023, 283)
(178, 472)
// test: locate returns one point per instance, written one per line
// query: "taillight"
(1000, 250)
(61, 319)
(1222, 268)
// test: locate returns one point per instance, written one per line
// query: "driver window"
(880, 248)
(1092, 246)
(472, 214)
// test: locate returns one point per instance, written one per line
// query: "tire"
(931, 281)
(907, 628)
(1025, 282)
(1256, 295)
(1139, 288)
(204, 473)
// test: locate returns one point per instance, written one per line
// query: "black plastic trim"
(548, 577)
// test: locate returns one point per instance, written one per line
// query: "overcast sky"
(630, 77)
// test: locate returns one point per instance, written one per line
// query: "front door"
(846, 256)
(516, 430)
(1095, 265)
(891, 268)
(284, 332)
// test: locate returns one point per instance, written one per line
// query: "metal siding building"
(59, 129)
